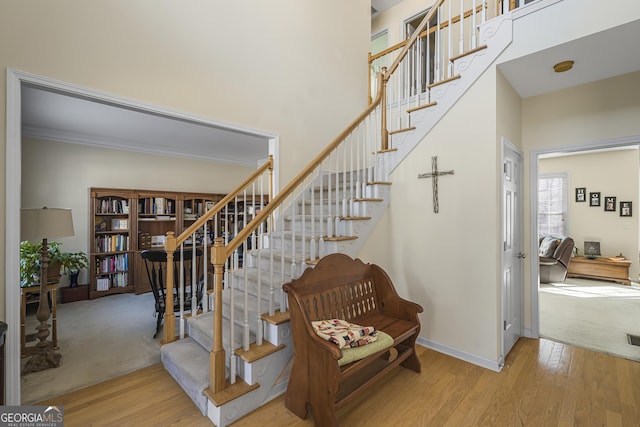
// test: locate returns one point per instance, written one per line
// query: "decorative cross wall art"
(435, 174)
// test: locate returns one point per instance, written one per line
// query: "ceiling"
(601, 55)
(66, 117)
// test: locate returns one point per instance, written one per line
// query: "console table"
(600, 268)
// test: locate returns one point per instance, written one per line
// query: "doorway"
(536, 156)
(16, 81)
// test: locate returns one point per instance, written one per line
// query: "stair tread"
(340, 238)
(257, 352)
(422, 107)
(277, 318)
(230, 392)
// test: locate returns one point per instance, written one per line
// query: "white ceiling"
(601, 55)
(68, 118)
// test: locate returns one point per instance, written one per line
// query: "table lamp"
(36, 224)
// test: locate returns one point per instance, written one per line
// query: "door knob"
(521, 255)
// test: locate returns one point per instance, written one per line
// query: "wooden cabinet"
(600, 268)
(112, 240)
(193, 207)
(124, 222)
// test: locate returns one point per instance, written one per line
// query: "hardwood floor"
(543, 383)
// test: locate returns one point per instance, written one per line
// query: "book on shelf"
(119, 224)
(164, 217)
(102, 284)
(159, 205)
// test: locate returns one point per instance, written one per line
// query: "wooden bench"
(340, 287)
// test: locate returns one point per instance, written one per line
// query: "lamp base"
(46, 358)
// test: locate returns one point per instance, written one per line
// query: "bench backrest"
(337, 288)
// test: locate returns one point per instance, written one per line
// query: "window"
(552, 204)
(421, 71)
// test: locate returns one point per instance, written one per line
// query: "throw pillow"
(548, 246)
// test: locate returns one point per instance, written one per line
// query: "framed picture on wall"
(581, 194)
(594, 199)
(625, 208)
(610, 204)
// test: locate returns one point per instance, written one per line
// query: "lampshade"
(45, 223)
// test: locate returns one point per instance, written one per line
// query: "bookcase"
(124, 222)
(110, 254)
(194, 205)
(156, 213)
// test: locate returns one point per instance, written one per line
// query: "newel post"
(383, 101)
(169, 315)
(217, 357)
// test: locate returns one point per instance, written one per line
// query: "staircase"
(233, 355)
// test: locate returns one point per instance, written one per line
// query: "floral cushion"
(344, 334)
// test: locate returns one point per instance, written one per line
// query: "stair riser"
(289, 244)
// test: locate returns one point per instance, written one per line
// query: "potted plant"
(70, 262)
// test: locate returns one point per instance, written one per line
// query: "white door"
(512, 256)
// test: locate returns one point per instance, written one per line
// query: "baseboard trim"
(493, 365)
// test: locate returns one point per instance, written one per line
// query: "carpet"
(591, 314)
(99, 339)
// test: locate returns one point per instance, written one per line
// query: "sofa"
(554, 255)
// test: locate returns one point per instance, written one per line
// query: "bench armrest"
(392, 304)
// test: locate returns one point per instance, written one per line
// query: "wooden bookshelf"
(112, 240)
(119, 234)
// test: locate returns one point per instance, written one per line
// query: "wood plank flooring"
(543, 383)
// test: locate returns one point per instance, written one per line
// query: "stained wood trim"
(230, 392)
(469, 52)
(388, 150)
(257, 352)
(278, 317)
(368, 199)
(339, 238)
(393, 132)
(441, 82)
(420, 107)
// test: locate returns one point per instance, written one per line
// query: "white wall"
(57, 174)
(292, 68)
(614, 174)
(449, 262)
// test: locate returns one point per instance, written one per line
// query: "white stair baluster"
(461, 23)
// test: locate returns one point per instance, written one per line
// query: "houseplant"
(70, 263)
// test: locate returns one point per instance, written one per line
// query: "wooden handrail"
(422, 34)
(222, 203)
(282, 195)
(172, 243)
